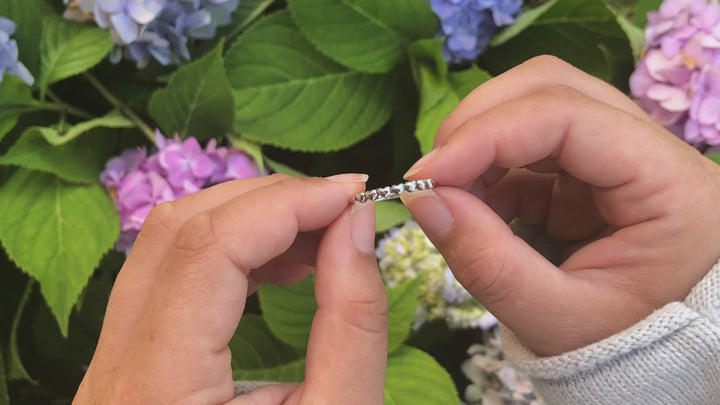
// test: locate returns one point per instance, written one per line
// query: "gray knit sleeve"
(670, 357)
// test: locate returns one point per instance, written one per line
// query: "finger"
(134, 282)
(594, 142)
(514, 282)
(530, 77)
(520, 194)
(347, 350)
(199, 296)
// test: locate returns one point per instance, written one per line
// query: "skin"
(180, 295)
(545, 142)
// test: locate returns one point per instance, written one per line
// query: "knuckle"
(369, 316)
(196, 237)
(547, 64)
(564, 92)
(162, 219)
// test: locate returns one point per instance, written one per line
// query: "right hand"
(550, 144)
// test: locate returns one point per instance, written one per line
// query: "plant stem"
(63, 107)
(144, 128)
(240, 26)
(16, 369)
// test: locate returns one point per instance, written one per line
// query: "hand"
(181, 293)
(637, 205)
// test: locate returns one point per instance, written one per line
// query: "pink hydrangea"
(676, 81)
(138, 182)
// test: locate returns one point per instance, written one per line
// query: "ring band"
(393, 192)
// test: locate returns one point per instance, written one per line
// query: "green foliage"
(68, 49)
(289, 310)
(4, 398)
(79, 160)
(584, 33)
(288, 94)
(414, 377)
(56, 232)
(16, 369)
(254, 346)
(440, 90)
(389, 214)
(15, 97)
(402, 305)
(290, 372)
(27, 14)
(364, 35)
(197, 102)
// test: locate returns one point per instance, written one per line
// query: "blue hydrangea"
(154, 29)
(468, 25)
(9, 53)
(165, 39)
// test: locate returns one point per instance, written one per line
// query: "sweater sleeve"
(670, 357)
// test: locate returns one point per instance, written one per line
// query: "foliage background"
(300, 91)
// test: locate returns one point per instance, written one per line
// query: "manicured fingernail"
(362, 226)
(430, 212)
(349, 178)
(419, 165)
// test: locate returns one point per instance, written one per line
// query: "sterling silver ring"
(393, 192)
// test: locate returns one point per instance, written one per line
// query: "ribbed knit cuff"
(672, 356)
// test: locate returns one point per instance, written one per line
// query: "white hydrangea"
(406, 254)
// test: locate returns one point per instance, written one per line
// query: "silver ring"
(393, 192)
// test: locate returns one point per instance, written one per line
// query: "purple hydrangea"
(9, 53)
(138, 182)
(468, 25)
(677, 81)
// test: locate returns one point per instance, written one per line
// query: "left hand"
(180, 295)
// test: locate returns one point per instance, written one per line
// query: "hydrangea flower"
(154, 29)
(138, 182)
(677, 81)
(406, 254)
(469, 24)
(9, 53)
(493, 380)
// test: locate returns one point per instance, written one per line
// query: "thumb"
(527, 293)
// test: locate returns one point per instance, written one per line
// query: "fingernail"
(419, 164)
(362, 226)
(430, 212)
(349, 178)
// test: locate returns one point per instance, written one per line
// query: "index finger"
(595, 142)
(530, 77)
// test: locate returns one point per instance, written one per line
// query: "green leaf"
(56, 232)
(635, 35)
(4, 398)
(15, 96)
(68, 49)
(291, 372)
(715, 157)
(114, 119)
(580, 32)
(16, 369)
(402, 304)
(254, 346)
(389, 214)
(287, 94)
(26, 14)
(80, 160)
(278, 167)
(247, 12)
(413, 377)
(253, 149)
(7, 123)
(440, 91)
(289, 310)
(643, 7)
(365, 35)
(197, 102)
